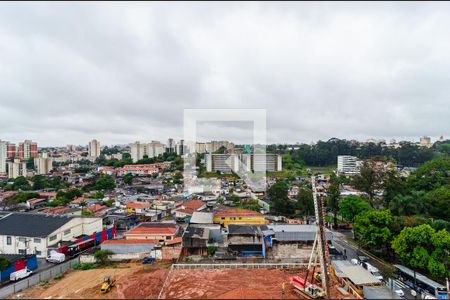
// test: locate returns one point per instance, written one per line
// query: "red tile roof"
(193, 204)
(140, 205)
(154, 229)
(130, 242)
(96, 207)
(237, 213)
(176, 240)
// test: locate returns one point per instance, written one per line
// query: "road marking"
(400, 284)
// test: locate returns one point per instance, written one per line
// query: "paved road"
(340, 242)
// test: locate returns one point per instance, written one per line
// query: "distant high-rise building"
(347, 164)
(17, 168)
(152, 149)
(94, 149)
(227, 163)
(28, 149)
(70, 148)
(425, 141)
(43, 164)
(170, 146)
(181, 148)
(3, 157)
(11, 151)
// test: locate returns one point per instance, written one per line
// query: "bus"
(424, 284)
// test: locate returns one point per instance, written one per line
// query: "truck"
(56, 257)
(17, 275)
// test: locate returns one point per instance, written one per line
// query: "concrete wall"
(170, 253)
(290, 250)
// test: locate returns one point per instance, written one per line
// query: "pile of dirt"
(141, 284)
(229, 284)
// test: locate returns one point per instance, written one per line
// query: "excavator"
(108, 283)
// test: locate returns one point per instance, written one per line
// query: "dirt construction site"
(157, 281)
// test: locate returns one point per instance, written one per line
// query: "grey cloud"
(121, 72)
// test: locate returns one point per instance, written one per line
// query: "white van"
(17, 275)
(56, 257)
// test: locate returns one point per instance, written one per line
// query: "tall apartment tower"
(17, 168)
(43, 164)
(3, 157)
(347, 165)
(28, 149)
(170, 146)
(11, 151)
(94, 149)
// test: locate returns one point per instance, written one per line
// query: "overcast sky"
(122, 72)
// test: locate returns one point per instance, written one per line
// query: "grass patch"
(85, 266)
(59, 276)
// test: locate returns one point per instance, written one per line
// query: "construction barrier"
(34, 279)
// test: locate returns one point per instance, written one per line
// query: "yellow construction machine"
(108, 283)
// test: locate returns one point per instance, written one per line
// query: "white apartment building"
(425, 141)
(227, 163)
(347, 165)
(94, 149)
(43, 164)
(3, 157)
(17, 168)
(152, 149)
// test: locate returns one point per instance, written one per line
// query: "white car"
(399, 292)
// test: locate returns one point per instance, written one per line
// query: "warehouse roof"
(202, 218)
(357, 274)
(30, 225)
(296, 232)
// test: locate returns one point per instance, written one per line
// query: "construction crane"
(319, 252)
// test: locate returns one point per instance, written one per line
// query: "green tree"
(278, 193)
(128, 179)
(372, 228)
(407, 205)
(431, 175)
(438, 202)
(370, 179)
(305, 202)
(102, 256)
(423, 248)
(21, 183)
(333, 196)
(351, 206)
(394, 185)
(105, 183)
(4, 263)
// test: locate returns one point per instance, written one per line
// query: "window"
(52, 238)
(23, 240)
(223, 218)
(37, 241)
(168, 237)
(232, 218)
(8, 240)
(66, 232)
(38, 252)
(22, 251)
(240, 218)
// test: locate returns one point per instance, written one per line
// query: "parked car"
(17, 275)
(56, 257)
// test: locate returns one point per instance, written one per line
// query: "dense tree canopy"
(351, 206)
(372, 228)
(305, 202)
(278, 193)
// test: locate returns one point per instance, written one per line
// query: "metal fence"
(38, 277)
(240, 265)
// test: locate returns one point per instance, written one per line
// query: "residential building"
(170, 146)
(160, 232)
(425, 141)
(155, 148)
(347, 165)
(181, 148)
(246, 239)
(238, 216)
(227, 163)
(94, 149)
(17, 168)
(139, 208)
(11, 151)
(152, 149)
(188, 208)
(28, 149)
(19, 233)
(43, 164)
(3, 157)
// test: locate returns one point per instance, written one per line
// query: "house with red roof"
(161, 232)
(187, 209)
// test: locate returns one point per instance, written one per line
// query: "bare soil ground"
(132, 281)
(229, 284)
(138, 281)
